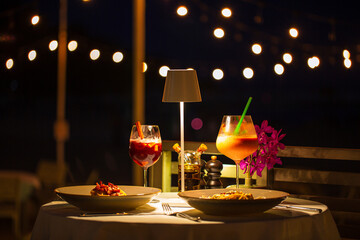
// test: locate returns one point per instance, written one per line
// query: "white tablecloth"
(60, 220)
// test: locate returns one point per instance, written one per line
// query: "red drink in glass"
(145, 152)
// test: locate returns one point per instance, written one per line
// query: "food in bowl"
(107, 190)
(232, 195)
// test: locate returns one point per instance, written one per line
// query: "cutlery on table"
(168, 211)
(281, 206)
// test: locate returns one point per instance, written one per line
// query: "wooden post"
(138, 113)
(61, 127)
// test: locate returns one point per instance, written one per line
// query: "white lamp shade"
(181, 85)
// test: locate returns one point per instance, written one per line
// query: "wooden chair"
(10, 202)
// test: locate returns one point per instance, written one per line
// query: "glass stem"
(145, 177)
(237, 174)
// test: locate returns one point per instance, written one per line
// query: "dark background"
(314, 107)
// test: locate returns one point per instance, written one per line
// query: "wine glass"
(237, 141)
(145, 146)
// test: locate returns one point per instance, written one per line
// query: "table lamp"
(181, 86)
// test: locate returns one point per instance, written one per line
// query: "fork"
(168, 211)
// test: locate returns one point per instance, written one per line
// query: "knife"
(319, 210)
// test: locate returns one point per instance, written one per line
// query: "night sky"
(314, 107)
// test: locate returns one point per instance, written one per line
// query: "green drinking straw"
(237, 129)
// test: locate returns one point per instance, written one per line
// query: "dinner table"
(309, 220)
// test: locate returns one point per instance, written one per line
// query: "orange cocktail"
(237, 139)
(237, 147)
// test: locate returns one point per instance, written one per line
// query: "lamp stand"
(182, 146)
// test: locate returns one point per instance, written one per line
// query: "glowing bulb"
(182, 11)
(117, 57)
(311, 62)
(287, 58)
(35, 20)
(218, 74)
(163, 71)
(145, 67)
(248, 73)
(346, 54)
(347, 62)
(219, 33)
(94, 54)
(9, 63)
(316, 61)
(293, 32)
(32, 55)
(53, 45)
(226, 12)
(72, 45)
(256, 48)
(279, 69)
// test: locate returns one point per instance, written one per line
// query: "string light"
(226, 12)
(248, 73)
(163, 71)
(35, 20)
(9, 63)
(94, 54)
(347, 62)
(32, 55)
(316, 61)
(218, 74)
(53, 45)
(346, 54)
(287, 58)
(279, 69)
(256, 48)
(313, 62)
(72, 45)
(293, 32)
(117, 57)
(182, 11)
(219, 33)
(145, 67)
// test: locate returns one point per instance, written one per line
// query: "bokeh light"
(35, 20)
(226, 12)
(256, 48)
(287, 58)
(9, 63)
(248, 73)
(279, 69)
(196, 123)
(32, 55)
(346, 53)
(94, 54)
(145, 67)
(53, 45)
(347, 63)
(218, 74)
(182, 11)
(219, 33)
(72, 46)
(117, 57)
(293, 32)
(163, 71)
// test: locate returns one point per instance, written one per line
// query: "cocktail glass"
(237, 143)
(145, 147)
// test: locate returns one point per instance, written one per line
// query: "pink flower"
(266, 155)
